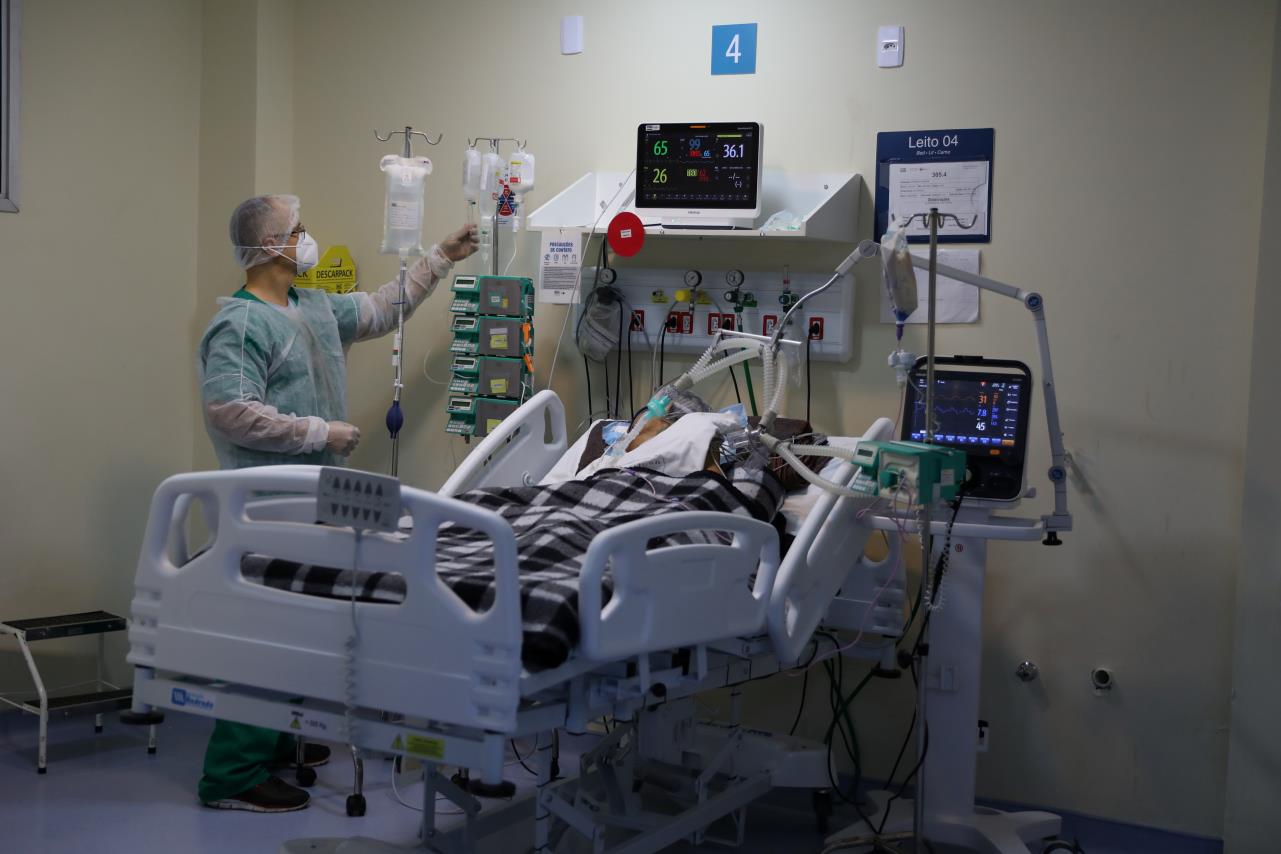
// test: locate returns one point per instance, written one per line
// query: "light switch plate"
(889, 47)
(571, 34)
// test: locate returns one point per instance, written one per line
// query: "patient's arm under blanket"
(553, 525)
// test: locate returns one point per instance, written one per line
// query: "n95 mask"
(307, 253)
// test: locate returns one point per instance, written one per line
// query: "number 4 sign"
(734, 49)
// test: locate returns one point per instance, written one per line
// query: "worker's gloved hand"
(343, 438)
(461, 244)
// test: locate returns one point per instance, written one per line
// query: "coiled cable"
(350, 648)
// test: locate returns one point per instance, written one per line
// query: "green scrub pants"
(237, 758)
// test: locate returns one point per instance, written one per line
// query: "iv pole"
(395, 416)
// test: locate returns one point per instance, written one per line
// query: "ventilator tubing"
(782, 449)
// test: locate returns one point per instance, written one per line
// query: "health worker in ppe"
(273, 382)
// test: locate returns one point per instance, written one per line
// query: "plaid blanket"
(553, 526)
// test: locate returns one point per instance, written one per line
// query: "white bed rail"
(517, 452)
(436, 657)
(827, 548)
(676, 595)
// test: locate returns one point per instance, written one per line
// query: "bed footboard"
(430, 655)
(517, 452)
(677, 595)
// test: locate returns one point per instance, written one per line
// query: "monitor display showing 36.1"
(698, 166)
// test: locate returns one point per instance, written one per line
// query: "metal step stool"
(27, 632)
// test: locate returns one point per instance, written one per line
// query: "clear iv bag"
(471, 176)
(403, 217)
(520, 172)
(490, 176)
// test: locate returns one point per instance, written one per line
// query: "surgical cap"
(262, 219)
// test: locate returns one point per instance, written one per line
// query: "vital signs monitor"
(699, 175)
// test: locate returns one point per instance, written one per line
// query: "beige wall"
(98, 266)
(1252, 822)
(1126, 133)
(246, 142)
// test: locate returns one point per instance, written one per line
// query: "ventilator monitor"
(981, 407)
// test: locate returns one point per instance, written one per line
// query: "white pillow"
(677, 451)
(567, 466)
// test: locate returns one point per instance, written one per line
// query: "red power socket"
(686, 325)
(728, 322)
(816, 334)
(768, 324)
(638, 319)
(713, 323)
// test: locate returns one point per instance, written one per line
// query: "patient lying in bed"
(670, 468)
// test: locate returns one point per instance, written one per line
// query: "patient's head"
(682, 403)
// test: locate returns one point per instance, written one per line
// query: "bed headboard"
(519, 452)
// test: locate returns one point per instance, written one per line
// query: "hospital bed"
(433, 679)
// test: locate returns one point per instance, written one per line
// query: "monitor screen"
(698, 166)
(975, 413)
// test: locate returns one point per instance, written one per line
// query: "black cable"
(906, 780)
(631, 383)
(808, 385)
(587, 370)
(605, 362)
(618, 367)
(734, 379)
(521, 759)
(661, 350)
(941, 566)
(836, 678)
(940, 569)
(805, 684)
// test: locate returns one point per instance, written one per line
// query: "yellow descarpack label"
(498, 386)
(420, 745)
(336, 272)
(491, 424)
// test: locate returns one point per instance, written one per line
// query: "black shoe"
(313, 756)
(271, 795)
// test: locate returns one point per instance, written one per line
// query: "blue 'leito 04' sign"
(734, 49)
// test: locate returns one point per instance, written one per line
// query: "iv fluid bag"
(490, 174)
(403, 216)
(471, 175)
(520, 172)
(897, 274)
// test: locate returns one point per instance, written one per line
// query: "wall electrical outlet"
(889, 47)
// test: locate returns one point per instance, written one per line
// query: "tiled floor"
(103, 794)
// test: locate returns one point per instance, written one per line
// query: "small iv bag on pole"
(471, 182)
(520, 180)
(403, 217)
(490, 173)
